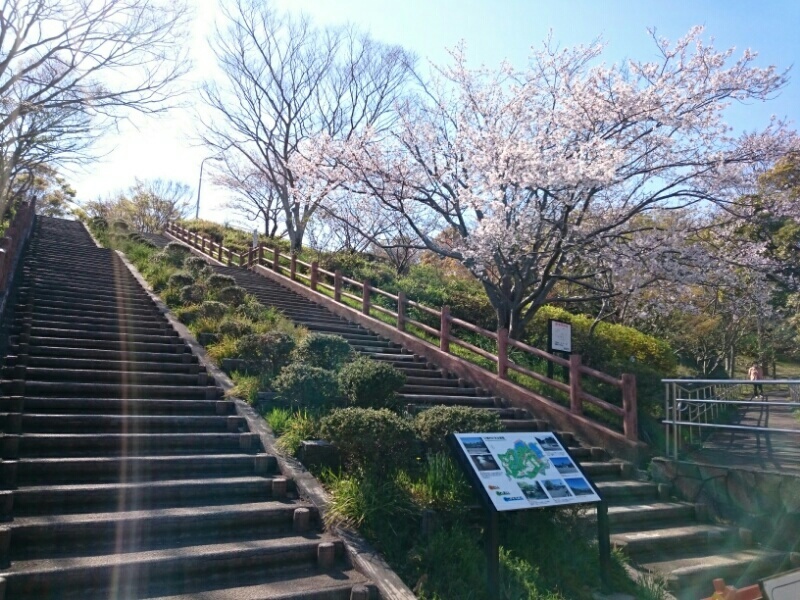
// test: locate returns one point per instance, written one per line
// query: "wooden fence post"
(219, 252)
(631, 417)
(242, 259)
(260, 253)
(276, 259)
(365, 298)
(337, 285)
(444, 330)
(230, 259)
(575, 398)
(293, 267)
(314, 275)
(401, 311)
(502, 353)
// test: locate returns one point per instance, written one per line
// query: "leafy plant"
(370, 439)
(279, 420)
(192, 294)
(197, 266)
(268, 351)
(370, 384)
(233, 295)
(218, 281)
(307, 387)
(174, 254)
(302, 426)
(180, 279)
(323, 351)
(442, 485)
(236, 327)
(435, 424)
(212, 310)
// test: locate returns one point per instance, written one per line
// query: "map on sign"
(525, 470)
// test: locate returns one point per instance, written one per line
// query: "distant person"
(755, 373)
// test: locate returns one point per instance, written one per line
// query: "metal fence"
(695, 408)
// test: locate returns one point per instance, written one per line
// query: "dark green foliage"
(218, 281)
(187, 314)
(370, 384)
(180, 279)
(98, 223)
(323, 351)
(196, 266)
(433, 425)
(120, 226)
(370, 439)
(307, 387)
(173, 254)
(270, 351)
(252, 309)
(233, 295)
(192, 294)
(235, 328)
(212, 310)
(172, 297)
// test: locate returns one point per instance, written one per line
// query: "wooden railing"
(360, 294)
(11, 245)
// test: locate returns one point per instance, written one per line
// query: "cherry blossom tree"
(538, 170)
(290, 92)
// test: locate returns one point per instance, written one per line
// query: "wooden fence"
(361, 294)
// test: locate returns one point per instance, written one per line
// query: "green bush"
(196, 266)
(302, 426)
(172, 297)
(370, 439)
(236, 327)
(434, 424)
(120, 226)
(323, 351)
(180, 279)
(192, 294)
(252, 309)
(279, 420)
(218, 281)
(99, 223)
(212, 310)
(370, 383)
(187, 314)
(174, 254)
(307, 387)
(268, 351)
(233, 295)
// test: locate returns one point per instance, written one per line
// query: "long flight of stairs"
(125, 473)
(661, 534)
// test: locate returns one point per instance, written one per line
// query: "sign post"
(559, 339)
(518, 471)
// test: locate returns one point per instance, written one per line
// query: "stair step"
(650, 541)
(626, 489)
(110, 390)
(129, 378)
(112, 406)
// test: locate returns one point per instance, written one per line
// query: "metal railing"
(694, 408)
(360, 294)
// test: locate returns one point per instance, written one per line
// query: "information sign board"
(525, 470)
(560, 336)
(785, 586)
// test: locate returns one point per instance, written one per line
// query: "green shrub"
(434, 425)
(370, 439)
(233, 295)
(180, 279)
(236, 327)
(247, 386)
(218, 281)
(174, 254)
(192, 294)
(99, 223)
(279, 420)
(172, 297)
(187, 314)
(307, 387)
(323, 351)
(120, 226)
(268, 351)
(252, 309)
(196, 266)
(442, 485)
(370, 383)
(224, 348)
(212, 310)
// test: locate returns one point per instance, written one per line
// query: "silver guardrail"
(694, 407)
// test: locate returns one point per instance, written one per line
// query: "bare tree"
(290, 88)
(71, 68)
(254, 195)
(146, 206)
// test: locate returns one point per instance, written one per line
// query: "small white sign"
(560, 336)
(525, 470)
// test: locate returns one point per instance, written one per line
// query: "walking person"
(755, 373)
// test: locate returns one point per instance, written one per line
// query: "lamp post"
(200, 182)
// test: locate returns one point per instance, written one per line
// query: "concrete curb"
(360, 552)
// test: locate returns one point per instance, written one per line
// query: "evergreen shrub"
(370, 384)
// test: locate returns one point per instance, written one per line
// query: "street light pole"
(200, 183)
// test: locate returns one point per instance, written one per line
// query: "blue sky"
(493, 30)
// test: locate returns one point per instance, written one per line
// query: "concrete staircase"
(661, 534)
(125, 473)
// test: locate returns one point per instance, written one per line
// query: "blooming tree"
(539, 171)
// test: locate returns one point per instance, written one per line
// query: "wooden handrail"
(258, 256)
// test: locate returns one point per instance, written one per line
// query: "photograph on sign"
(525, 470)
(560, 336)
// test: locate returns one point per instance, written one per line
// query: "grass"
(302, 426)
(279, 420)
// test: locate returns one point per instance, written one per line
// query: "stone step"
(174, 345)
(133, 326)
(106, 390)
(109, 469)
(638, 544)
(124, 423)
(626, 517)
(130, 378)
(174, 354)
(99, 365)
(449, 391)
(63, 310)
(80, 498)
(626, 490)
(99, 533)
(130, 444)
(74, 297)
(38, 578)
(113, 406)
(90, 336)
